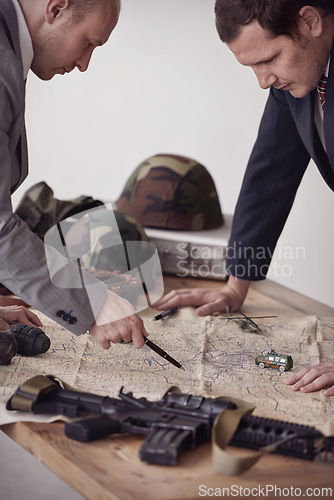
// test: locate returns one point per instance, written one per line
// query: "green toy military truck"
(273, 360)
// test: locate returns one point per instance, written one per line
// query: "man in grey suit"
(50, 37)
(289, 44)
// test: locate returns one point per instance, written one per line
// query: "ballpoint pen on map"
(162, 353)
(165, 314)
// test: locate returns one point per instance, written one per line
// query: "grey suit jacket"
(287, 139)
(23, 266)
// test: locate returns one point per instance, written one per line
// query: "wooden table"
(111, 469)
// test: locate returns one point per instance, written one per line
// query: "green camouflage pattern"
(108, 230)
(172, 192)
(41, 210)
(111, 246)
(118, 247)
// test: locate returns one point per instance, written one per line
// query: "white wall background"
(165, 83)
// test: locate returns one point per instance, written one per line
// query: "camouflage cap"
(111, 246)
(106, 252)
(172, 192)
(116, 243)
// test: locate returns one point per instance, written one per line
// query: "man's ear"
(310, 21)
(54, 9)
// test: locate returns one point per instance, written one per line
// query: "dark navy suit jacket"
(287, 139)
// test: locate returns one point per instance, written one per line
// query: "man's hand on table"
(313, 378)
(207, 300)
(117, 321)
(6, 300)
(17, 314)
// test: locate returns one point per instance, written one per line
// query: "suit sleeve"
(274, 172)
(23, 267)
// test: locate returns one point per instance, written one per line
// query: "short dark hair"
(80, 8)
(278, 17)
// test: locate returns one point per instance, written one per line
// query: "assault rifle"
(174, 424)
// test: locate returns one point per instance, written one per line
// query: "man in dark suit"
(50, 37)
(289, 46)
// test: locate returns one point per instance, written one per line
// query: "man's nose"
(265, 78)
(83, 61)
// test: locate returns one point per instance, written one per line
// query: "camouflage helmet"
(172, 192)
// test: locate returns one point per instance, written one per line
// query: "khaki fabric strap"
(224, 428)
(29, 391)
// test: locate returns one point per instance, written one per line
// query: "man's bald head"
(65, 33)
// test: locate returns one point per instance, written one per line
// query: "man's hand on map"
(117, 321)
(313, 378)
(17, 314)
(207, 300)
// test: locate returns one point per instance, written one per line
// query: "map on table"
(217, 355)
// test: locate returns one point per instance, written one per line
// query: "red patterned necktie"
(321, 88)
